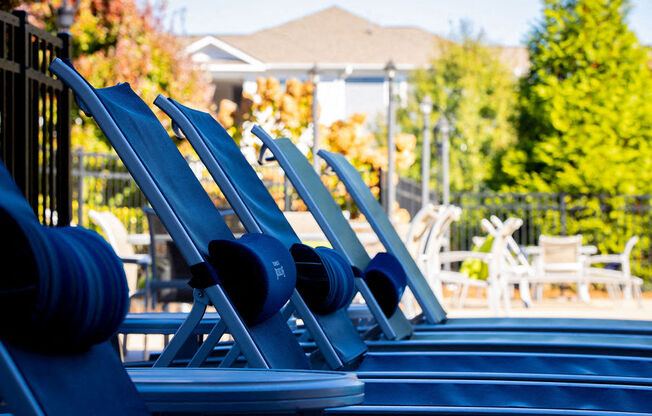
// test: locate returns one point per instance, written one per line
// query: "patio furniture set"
(556, 260)
(283, 304)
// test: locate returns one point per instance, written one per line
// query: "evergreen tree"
(585, 108)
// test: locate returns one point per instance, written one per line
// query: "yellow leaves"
(294, 88)
(289, 111)
(269, 89)
(225, 114)
(405, 141)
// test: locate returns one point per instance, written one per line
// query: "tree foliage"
(468, 83)
(125, 41)
(585, 108)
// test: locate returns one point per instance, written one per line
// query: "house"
(350, 55)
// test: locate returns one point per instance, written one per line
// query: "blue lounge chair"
(258, 212)
(156, 165)
(63, 293)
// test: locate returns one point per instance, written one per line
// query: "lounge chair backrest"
(334, 333)
(556, 250)
(150, 178)
(331, 220)
(436, 239)
(512, 244)
(183, 206)
(266, 216)
(629, 246)
(420, 226)
(379, 221)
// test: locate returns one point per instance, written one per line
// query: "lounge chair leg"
(184, 332)
(524, 291)
(583, 292)
(207, 346)
(627, 291)
(464, 290)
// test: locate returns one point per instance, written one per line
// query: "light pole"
(426, 109)
(314, 77)
(443, 129)
(66, 16)
(390, 71)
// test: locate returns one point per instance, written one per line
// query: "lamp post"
(314, 78)
(426, 108)
(390, 71)
(66, 16)
(443, 129)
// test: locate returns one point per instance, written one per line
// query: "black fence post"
(19, 151)
(63, 155)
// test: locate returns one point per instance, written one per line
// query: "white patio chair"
(502, 271)
(432, 259)
(517, 271)
(561, 261)
(420, 228)
(615, 279)
(415, 241)
(116, 235)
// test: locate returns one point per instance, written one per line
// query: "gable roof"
(336, 36)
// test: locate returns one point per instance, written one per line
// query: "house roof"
(337, 36)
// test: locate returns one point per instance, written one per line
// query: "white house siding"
(331, 93)
(365, 95)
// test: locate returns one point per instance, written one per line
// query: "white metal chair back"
(627, 253)
(517, 254)
(439, 231)
(561, 254)
(116, 235)
(420, 227)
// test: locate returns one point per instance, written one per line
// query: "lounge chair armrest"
(135, 293)
(457, 256)
(604, 258)
(142, 239)
(140, 259)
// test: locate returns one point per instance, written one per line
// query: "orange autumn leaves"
(126, 41)
(287, 112)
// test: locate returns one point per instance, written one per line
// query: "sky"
(504, 22)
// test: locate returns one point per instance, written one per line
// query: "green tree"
(585, 108)
(468, 83)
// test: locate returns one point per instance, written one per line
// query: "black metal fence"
(605, 221)
(101, 182)
(35, 116)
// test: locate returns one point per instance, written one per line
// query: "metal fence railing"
(606, 221)
(35, 116)
(101, 182)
